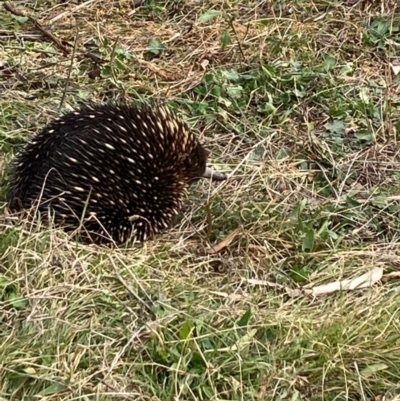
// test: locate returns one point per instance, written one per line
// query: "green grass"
(299, 101)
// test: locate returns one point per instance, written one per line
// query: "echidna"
(120, 172)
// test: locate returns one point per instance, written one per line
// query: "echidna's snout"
(214, 175)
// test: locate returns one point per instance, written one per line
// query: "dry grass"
(299, 100)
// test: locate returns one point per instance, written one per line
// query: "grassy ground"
(301, 102)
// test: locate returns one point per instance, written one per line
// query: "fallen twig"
(69, 72)
(11, 8)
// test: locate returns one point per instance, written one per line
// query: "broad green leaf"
(225, 39)
(209, 15)
(308, 240)
(336, 126)
(364, 135)
(244, 320)
(235, 91)
(53, 389)
(329, 62)
(232, 75)
(20, 19)
(185, 330)
(155, 46)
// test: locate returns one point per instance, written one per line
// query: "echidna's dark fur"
(124, 169)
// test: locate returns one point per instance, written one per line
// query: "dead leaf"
(204, 64)
(392, 275)
(373, 369)
(297, 292)
(223, 244)
(395, 69)
(263, 282)
(366, 280)
(231, 297)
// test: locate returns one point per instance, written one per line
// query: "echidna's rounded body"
(119, 172)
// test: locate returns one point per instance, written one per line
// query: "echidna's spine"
(125, 170)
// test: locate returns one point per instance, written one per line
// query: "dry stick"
(118, 277)
(136, 3)
(69, 71)
(15, 35)
(123, 395)
(112, 60)
(10, 8)
(231, 24)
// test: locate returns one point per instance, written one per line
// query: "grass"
(299, 100)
